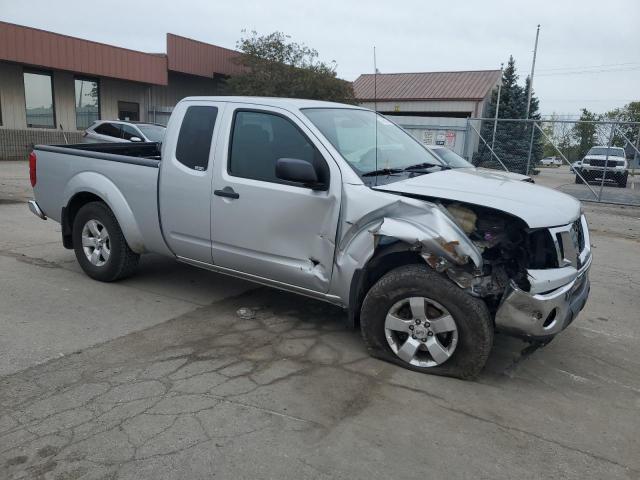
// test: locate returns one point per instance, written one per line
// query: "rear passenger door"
(185, 178)
(280, 231)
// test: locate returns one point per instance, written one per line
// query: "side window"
(109, 129)
(196, 134)
(259, 139)
(128, 131)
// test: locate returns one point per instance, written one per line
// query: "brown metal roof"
(53, 50)
(473, 85)
(198, 58)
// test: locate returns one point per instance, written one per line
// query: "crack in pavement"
(290, 378)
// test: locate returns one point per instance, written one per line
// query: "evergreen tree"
(512, 138)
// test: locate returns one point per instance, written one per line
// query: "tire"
(111, 258)
(471, 317)
(622, 183)
(578, 179)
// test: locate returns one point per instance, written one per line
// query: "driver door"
(264, 226)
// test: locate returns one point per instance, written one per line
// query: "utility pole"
(495, 120)
(533, 67)
(375, 81)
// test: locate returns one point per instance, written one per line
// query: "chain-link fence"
(591, 160)
(16, 144)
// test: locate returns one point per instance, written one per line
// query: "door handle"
(226, 192)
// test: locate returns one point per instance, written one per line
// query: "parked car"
(429, 261)
(118, 131)
(601, 162)
(453, 160)
(551, 162)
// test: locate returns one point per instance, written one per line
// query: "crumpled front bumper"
(541, 316)
(556, 295)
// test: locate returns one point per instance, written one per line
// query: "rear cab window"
(196, 136)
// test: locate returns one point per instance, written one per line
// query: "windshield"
(353, 133)
(613, 151)
(154, 133)
(451, 158)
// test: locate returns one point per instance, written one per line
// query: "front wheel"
(100, 246)
(418, 319)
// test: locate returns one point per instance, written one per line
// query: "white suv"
(103, 131)
(593, 166)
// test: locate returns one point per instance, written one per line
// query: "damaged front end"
(534, 281)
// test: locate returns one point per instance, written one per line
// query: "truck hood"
(511, 175)
(537, 206)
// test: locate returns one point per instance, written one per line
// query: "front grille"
(601, 163)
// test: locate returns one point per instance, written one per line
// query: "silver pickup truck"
(337, 203)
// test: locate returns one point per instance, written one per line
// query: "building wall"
(164, 98)
(112, 91)
(12, 96)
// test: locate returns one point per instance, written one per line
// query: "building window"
(128, 111)
(87, 102)
(38, 95)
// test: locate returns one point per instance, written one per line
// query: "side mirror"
(135, 139)
(300, 171)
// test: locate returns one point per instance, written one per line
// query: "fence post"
(636, 156)
(533, 129)
(606, 160)
(466, 141)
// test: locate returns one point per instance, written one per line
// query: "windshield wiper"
(424, 165)
(382, 171)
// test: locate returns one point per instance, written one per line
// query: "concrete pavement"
(179, 373)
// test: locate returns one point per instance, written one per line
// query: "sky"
(588, 52)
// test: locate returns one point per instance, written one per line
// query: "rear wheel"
(100, 246)
(418, 319)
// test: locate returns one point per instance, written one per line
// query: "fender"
(424, 227)
(104, 188)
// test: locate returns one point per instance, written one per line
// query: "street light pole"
(533, 67)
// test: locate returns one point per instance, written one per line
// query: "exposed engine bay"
(508, 247)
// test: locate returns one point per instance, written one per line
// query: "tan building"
(432, 106)
(53, 86)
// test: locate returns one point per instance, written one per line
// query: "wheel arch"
(390, 253)
(89, 187)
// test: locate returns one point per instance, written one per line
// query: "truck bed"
(110, 151)
(124, 175)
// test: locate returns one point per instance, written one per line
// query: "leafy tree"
(560, 135)
(512, 138)
(277, 67)
(628, 113)
(585, 133)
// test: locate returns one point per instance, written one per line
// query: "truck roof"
(286, 103)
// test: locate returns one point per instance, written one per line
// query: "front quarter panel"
(369, 215)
